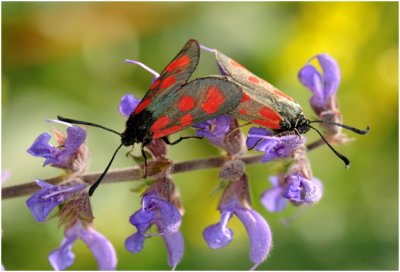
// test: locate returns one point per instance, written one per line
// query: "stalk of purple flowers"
(158, 209)
(324, 87)
(75, 210)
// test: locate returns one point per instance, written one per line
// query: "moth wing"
(199, 100)
(243, 76)
(262, 103)
(176, 74)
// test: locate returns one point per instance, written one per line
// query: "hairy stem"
(126, 174)
(136, 173)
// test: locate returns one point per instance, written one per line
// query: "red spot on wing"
(186, 120)
(213, 101)
(272, 119)
(269, 113)
(235, 63)
(166, 132)
(266, 123)
(243, 112)
(245, 97)
(159, 124)
(155, 83)
(143, 104)
(168, 81)
(279, 93)
(253, 79)
(179, 63)
(186, 103)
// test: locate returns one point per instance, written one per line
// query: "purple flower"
(62, 257)
(50, 196)
(58, 156)
(272, 198)
(214, 129)
(219, 235)
(301, 190)
(322, 86)
(167, 219)
(272, 146)
(128, 104)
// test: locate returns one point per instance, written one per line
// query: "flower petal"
(259, 234)
(331, 72)
(42, 148)
(128, 104)
(301, 190)
(272, 199)
(214, 129)
(50, 196)
(58, 156)
(142, 220)
(273, 146)
(75, 138)
(219, 235)
(62, 257)
(312, 79)
(135, 242)
(175, 247)
(101, 248)
(167, 216)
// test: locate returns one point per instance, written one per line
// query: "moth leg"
(146, 142)
(130, 151)
(166, 140)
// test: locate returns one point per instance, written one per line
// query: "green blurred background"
(66, 58)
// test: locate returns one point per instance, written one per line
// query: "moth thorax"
(128, 138)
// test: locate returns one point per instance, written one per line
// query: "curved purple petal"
(254, 142)
(101, 248)
(45, 200)
(272, 146)
(135, 242)
(128, 104)
(167, 216)
(259, 234)
(142, 220)
(75, 138)
(322, 86)
(58, 156)
(175, 248)
(312, 79)
(272, 199)
(217, 236)
(42, 148)
(62, 257)
(331, 72)
(214, 129)
(301, 190)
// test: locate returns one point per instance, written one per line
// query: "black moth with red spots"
(265, 105)
(173, 104)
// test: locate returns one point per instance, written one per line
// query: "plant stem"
(126, 174)
(136, 173)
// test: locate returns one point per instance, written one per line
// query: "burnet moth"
(263, 104)
(173, 104)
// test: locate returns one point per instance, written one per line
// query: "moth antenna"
(73, 121)
(342, 157)
(98, 181)
(355, 130)
(145, 67)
